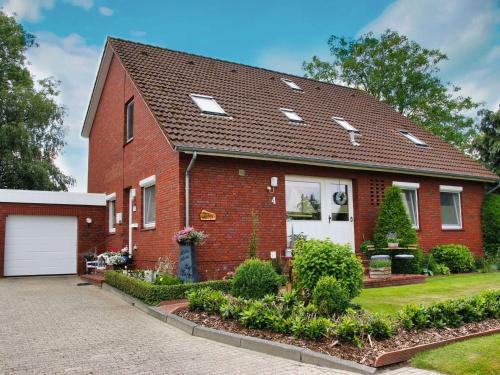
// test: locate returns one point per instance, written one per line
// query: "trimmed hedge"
(458, 258)
(490, 223)
(154, 294)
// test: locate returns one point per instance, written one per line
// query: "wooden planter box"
(380, 273)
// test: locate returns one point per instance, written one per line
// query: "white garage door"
(40, 245)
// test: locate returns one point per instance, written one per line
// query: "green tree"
(31, 122)
(252, 244)
(392, 217)
(402, 74)
(487, 143)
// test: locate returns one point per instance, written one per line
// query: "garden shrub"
(458, 258)
(451, 313)
(167, 279)
(255, 278)
(206, 299)
(392, 218)
(153, 294)
(315, 258)
(330, 296)
(490, 223)
(356, 326)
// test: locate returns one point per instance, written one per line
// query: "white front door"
(320, 208)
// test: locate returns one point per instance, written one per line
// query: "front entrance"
(320, 208)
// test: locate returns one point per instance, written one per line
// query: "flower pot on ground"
(380, 267)
(187, 238)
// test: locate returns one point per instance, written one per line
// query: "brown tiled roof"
(252, 97)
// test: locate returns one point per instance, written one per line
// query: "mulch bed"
(365, 355)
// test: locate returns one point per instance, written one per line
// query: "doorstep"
(96, 279)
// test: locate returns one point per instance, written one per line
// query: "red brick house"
(173, 134)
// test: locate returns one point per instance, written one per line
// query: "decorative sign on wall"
(207, 216)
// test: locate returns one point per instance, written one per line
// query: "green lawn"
(470, 357)
(391, 299)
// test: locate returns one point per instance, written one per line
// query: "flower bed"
(355, 335)
(153, 294)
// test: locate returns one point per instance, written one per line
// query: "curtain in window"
(450, 208)
(410, 203)
(149, 205)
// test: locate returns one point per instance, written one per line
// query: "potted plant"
(116, 261)
(380, 267)
(187, 239)
(392, 240)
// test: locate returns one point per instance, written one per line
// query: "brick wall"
(89, 236)
(115, 166)
(217, 187)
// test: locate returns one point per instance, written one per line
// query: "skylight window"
(291, 115)
(412, 138)
(208, 105)
(291, 84)
(342, 122)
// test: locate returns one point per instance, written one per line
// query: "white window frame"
(291, 115)
(219, 112)
(291, 84)
(413, 138)
(144, 184)
(111, 215)
(455, 190)
(414, 186)
(345, 124)
(127, 130)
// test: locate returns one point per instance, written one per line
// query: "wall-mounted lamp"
(274, 183)
(88, 221)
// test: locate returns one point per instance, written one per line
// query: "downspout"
(492, 190)
(186, 185)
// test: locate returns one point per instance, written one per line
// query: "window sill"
(112, 231)
(452, 229)
(153, 227)
(128, 141)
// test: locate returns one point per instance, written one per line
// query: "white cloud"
(463, 29)
(29, 10)
(138, 33)
(105, 11)
(85, 4)
(289, 61)
(73, 62)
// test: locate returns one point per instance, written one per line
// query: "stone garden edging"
(286, 351)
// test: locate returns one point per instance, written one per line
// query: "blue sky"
(273, 34)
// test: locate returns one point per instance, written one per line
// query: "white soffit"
(52, 197)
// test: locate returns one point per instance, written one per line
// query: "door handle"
(351, 219)
(329, 219)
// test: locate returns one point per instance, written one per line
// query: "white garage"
(40, 245)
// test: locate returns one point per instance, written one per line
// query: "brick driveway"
(49, 325)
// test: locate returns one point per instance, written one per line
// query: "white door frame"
(322, 229)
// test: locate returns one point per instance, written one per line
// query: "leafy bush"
(451, 313)
(206, 299)
(392, 217)
(315, 258)
(380, 263)
(255, 278)
(490, 223)
(351, 328)
(380, 327)
(364, 247)
(440, 269)
(317, 328)
(330, 296)
(166, 279)
(153, 294)
(457, 258)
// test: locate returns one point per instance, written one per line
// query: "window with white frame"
(291, 115)
(291, 84)
(130, 121)
(410, 200)
(418, 142)
(208, 105)
(111, 199)
(148, 186)
(451, 210)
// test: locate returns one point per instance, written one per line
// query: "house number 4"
(273, 199)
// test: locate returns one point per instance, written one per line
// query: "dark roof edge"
(333, 163)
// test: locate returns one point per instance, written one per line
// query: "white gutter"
(186, 183)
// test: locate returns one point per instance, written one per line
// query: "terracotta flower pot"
(393, 245)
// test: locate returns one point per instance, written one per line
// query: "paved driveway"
(49, 325)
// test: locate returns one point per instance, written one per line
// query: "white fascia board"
(111, 197)
(52, 197)
(450, 189)
(406, 185)
(148, 181)
(97, 90)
